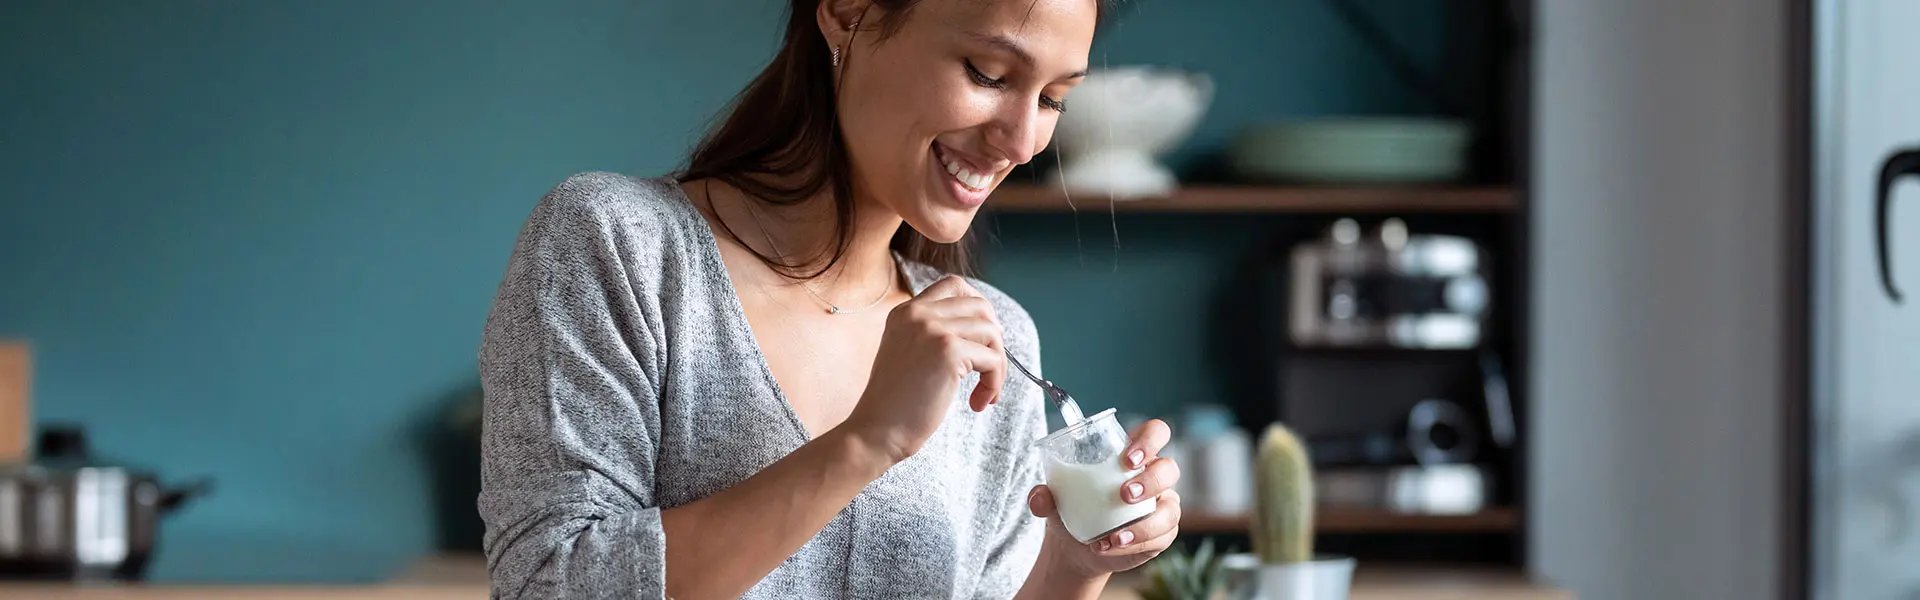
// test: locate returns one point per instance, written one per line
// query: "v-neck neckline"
(738, 310)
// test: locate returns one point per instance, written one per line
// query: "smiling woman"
(955, 98)
(763, 377)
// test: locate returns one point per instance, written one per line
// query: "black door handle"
(1903, 162)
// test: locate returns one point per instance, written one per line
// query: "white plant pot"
(1324, 578)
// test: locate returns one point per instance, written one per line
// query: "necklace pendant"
(834, 310)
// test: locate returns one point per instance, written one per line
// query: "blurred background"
(1585, 295)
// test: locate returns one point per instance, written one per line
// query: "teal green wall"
(256, 239)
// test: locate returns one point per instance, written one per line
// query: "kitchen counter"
(243, 592)
(464, 578)
(1408, 582)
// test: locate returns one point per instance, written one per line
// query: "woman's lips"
(949, 170)
(962, 170)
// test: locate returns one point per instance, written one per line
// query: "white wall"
(1658, 342)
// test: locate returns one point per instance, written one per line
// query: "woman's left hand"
(1137, 543)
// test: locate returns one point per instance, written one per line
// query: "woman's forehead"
(1047, 29)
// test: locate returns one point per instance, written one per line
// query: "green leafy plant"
(1283, 487)
(1177, 575)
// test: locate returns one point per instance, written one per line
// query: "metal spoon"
(1069, 410)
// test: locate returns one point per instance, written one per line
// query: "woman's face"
(936, 115)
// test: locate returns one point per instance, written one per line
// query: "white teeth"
(973, 181)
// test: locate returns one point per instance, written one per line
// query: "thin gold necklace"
(832, 309)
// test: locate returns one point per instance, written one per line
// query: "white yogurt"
(1070, 414)
(1088, 496)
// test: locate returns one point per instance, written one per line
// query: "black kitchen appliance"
(1377, 350)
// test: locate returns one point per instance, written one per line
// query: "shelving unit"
(1492, 520)
(1269, 199)
(1235, 238)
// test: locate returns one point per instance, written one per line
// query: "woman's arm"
(719, 546)
(1051, 580)
(572, 414)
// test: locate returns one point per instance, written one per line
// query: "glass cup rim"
(1084, 423)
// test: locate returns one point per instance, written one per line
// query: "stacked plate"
(1354, 150)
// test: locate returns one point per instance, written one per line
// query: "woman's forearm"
(1050, 579)
(721, 545)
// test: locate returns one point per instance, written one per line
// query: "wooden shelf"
(1269, 199)
(1492, 520)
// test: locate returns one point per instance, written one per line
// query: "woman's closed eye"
(997, 83)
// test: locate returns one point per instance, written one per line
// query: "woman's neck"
(802, 235)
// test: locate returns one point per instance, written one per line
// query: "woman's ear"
(838, 18)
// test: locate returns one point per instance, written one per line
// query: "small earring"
(836, 56)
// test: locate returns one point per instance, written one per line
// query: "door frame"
(1796, 377)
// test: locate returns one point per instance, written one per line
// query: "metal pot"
(64, 517)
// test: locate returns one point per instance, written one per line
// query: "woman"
(748, 379)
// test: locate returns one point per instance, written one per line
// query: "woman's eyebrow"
(1010, 46)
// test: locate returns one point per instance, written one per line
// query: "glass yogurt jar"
(1085, 471)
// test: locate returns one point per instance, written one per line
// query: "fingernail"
(1125, 538)
(1136, 457)
(1105, 545)
(1134, 490)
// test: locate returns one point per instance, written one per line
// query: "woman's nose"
(1014, 133)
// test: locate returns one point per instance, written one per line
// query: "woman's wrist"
(863, 452)
(1062, 577)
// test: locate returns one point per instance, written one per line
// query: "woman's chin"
(944, 229)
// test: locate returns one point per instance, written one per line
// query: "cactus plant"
(1283, 480)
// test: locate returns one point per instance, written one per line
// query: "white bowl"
(1120, 120)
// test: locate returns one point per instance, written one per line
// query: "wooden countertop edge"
(37, 591)
(1363, 589)
(463, 577)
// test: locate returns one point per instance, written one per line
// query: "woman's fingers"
(972, 318)
(1159, 476)
(962, 307)
(1164, 520)
(948, 287)
(1147, 549)
(989, 363)
(1148, 439)
(1040, 501)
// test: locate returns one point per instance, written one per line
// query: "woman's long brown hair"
(780, 143)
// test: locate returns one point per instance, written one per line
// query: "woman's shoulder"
(643, 222)
(614, 199)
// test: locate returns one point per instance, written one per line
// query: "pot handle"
(171, 499)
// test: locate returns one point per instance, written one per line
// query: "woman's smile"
(965, 181)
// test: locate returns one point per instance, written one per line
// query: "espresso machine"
(1378, 355)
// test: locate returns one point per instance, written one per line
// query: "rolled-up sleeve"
(571, 417)
(1016, 539)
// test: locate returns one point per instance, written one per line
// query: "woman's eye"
(982, 79)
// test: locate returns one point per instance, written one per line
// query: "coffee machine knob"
(1466, 295)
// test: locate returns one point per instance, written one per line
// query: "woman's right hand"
(930, 345)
